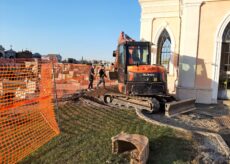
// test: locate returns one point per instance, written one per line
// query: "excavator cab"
(135, 74)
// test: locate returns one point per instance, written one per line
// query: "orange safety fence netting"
(71, 78)
(27, 118)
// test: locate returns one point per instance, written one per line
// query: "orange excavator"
(140, 84)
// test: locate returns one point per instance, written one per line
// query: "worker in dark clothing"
(133, 56)
(91, 77)
(102, 76)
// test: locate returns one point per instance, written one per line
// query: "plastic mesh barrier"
(27, 119)
(75, 77)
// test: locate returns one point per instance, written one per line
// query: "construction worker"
(102, 76)
(133, 56)
(91, 76)
(130, 56)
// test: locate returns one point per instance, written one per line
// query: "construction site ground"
(208, 118)
(87, 126)
(209, 125)
(86, 131)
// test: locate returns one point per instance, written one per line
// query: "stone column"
(189, 48)
(146, 34)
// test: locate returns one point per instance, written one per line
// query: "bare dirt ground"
(206, 118)
(210, 119)
(201, 119)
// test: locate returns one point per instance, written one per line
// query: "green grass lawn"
(86, 138)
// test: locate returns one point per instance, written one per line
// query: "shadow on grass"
(167, 149)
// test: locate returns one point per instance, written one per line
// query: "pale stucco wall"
(172, 25)
(211, 16)
(200, 23)
(193, 25)
(156, 16)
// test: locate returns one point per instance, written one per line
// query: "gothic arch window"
(164, 49)
(224, 78)
(226, 35)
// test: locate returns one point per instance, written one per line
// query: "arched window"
(226, 35)
(224, 78)
(164, 49)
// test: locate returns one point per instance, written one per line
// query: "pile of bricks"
(27, 118)
(75, 77)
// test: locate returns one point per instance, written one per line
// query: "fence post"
(55, 93)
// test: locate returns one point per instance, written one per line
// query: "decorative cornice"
(191, 3)
(160, 15)
(146, 19)
(157, 3)
(159, 8)
(140, 1)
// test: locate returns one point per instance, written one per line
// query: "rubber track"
(123, 100)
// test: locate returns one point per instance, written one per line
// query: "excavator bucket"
(178, 107)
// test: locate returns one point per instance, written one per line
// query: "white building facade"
(192, 40)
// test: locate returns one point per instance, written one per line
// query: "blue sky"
(72, 28)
